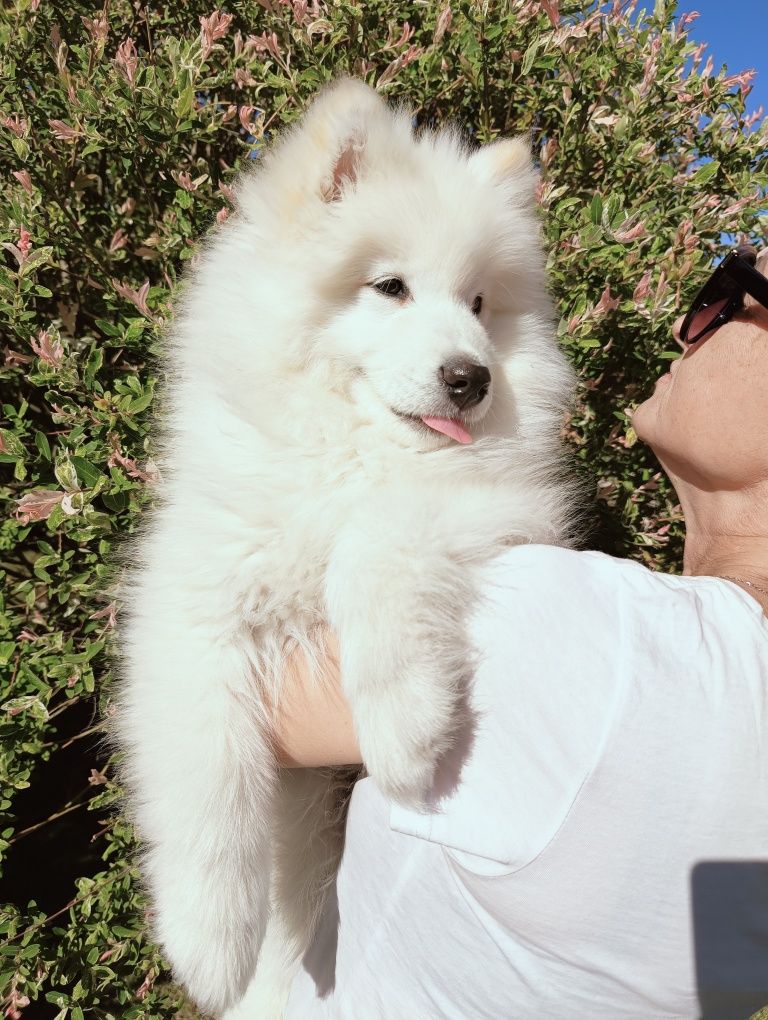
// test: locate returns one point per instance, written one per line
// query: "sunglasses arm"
(754, 283)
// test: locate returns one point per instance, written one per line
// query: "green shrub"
(119, 139)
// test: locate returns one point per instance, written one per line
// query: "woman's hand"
(313, 722)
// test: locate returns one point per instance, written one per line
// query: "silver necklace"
(743, 580)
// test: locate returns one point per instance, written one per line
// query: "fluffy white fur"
(294, 495)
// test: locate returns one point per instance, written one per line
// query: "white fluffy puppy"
(363, 403)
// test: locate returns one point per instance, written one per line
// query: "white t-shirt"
(603, 853)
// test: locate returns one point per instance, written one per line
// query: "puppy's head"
(419, 265)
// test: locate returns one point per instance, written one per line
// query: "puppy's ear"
(345, 166)
(317, 157)
(339, 123)
(506, 161)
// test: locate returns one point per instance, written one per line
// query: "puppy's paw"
(403, 735)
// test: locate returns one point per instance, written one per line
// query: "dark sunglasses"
(722, 296)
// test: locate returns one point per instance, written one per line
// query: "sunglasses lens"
(703, 319)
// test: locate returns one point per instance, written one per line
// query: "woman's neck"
(744, 555)
(727, 536)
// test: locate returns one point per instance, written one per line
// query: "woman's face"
(707, 419)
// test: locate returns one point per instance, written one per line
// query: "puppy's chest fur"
(264, 533)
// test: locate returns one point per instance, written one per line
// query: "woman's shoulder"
(547, 562)
(618, 602)
(577, 570)
(580, 578)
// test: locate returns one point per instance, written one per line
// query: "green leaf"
(21, 148)
(88, 473)
(115, 501)
(41, 442)
(613, 212)
(56, 518)
(36, 259)
(66, 474)
(141, 403)
(530, 55)
(92, 365)
(596, 209)
(108, 328)
(185, 101)
(13, 446)
(30, 703)
(705, 173)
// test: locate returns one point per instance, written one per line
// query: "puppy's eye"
(477, 304)
(393, 287)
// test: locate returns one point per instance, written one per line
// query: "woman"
(595, 847)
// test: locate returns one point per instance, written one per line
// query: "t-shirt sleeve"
(548, 636)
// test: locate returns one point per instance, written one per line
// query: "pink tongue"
(449, 427)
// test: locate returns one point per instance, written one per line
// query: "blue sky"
(737, 34)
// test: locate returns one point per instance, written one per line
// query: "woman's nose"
(676, 327)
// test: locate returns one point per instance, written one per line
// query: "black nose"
(466, 382)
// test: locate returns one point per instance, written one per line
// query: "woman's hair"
(762, 267)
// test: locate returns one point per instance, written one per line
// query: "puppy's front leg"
(397, 602)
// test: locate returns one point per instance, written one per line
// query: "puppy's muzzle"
(466, 382)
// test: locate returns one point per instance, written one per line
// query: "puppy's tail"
(200, 770)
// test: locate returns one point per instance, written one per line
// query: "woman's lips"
(668, 374)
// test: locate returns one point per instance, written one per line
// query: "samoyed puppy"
(363, 405)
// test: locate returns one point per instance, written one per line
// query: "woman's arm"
(313, 725)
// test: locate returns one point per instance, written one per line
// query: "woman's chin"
(641, 419)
